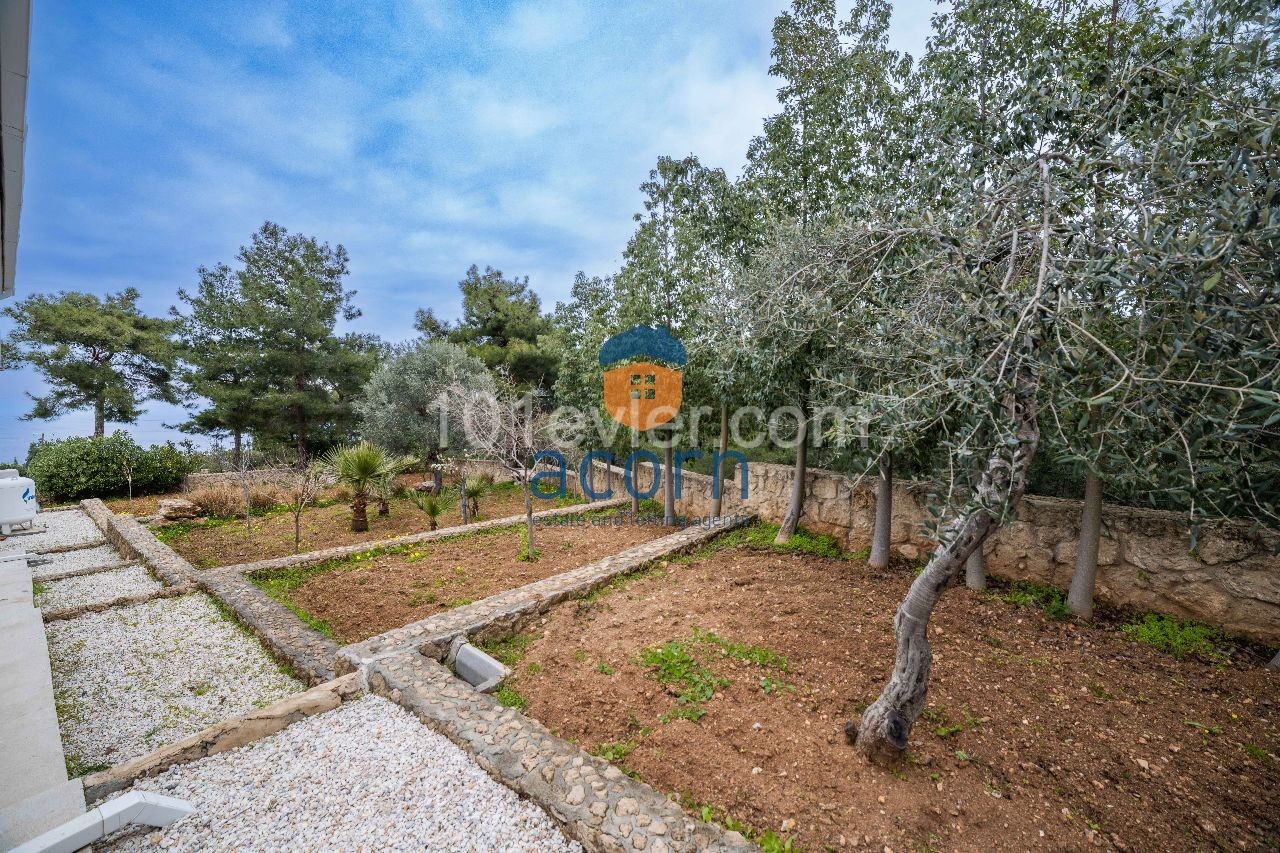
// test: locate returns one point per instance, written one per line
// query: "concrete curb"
(228, 734)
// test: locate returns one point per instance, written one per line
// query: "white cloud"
(543, 26)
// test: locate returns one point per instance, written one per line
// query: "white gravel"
(65, 527)
(131, 679)
(85, 558)
(96, 588)
(365, 776)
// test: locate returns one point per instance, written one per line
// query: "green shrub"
(1180, 639)
(74, 468)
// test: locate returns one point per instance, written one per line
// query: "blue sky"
(424, 136)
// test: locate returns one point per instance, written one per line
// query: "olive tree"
(1003, 273)
(402, 408)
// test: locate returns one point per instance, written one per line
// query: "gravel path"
(366, 776)
(95, 588)
(85, 558)
(65, 527)
(131, 679)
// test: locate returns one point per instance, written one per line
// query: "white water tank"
(18, 505)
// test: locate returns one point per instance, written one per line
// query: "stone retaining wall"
(1232, 579)
(593, 801)
(503, 613)
(136, 542)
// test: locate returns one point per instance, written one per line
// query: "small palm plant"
(362, 468)
(478, 486)
(432, 505)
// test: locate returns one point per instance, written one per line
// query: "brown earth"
(228, 543)
(1036, 735)
(361, 598)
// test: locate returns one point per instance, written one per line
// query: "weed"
(419, 598)
(1180, 639)
(1026, 593)
(458, 602)
(961, 755)
(771, 685)
(38, 588)
(533, 668)
(686, 678)
(508, 650)
(616, 752)
(509, 697)
(622, 582)
(604, 669)
(759, 655)
(527, 554)
(1213, 730)
(1257, 753)
(948, 731)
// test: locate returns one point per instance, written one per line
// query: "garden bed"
(726, 678)
(225, 541)
(357, 597)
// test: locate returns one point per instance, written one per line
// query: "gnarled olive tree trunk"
(886, 724)
(1080, 596)
(882, 530)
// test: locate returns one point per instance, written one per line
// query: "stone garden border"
(504, 612)
(64, 613)
(228, 734)
(311, 558)
(592, 801)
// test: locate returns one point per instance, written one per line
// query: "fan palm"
(361, 468)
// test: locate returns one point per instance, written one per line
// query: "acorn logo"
(642, 379)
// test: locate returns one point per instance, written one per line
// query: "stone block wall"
(1231, 579)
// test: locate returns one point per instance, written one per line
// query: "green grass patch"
(617, 752)
(1033, 595)
(508, 650)
(684, 676)
(509, 697)
(278, 584)
(758, 655)
(38, 588)
(1181, 639)
(1257, 753)
(760, 536)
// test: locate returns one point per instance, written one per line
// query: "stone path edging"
(311, 558)
(309, 652)
(136, 542)
(228, 734)
(501, 613)
(65, 613)
(87, 570)
(593, 801)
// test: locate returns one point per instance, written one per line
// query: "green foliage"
(688, 680)
(509, 697)
(74, 468)
(758, 655)
(263, 349)
(400, 405)
(503, 325)
(760, 536)
(616, 753)
(508, 650)
(280, 583)
(102, 354)
(1180, 639)
(1025, 593)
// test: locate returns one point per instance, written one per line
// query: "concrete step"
(40, 813)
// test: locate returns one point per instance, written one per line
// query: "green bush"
(1180, 639)
(75, 468)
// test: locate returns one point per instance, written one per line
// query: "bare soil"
(226, 543)
(358, 599)
(1037, 734)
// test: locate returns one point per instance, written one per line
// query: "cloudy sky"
(424, 136)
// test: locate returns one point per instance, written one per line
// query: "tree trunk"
(99, 417)
(384, 506)
(359, 517)
(237, 442)
(717, 503)
(462, 495)
(248, 503)
(297, 530)
(886, 725)
(437, 481)
(883, 530)
(975, 570)
(1080, 596)
(975, 566)
(794, 510)
(431, 519)
(668, 484)
(528, 516)
(591, 478)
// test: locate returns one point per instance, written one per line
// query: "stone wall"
(1232, 579)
